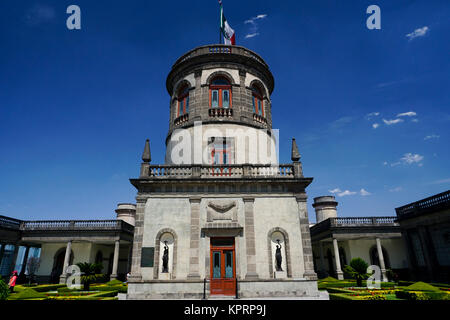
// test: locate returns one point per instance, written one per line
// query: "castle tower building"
(221, 215)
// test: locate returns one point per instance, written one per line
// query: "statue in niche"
(165, 258)
(278, 257)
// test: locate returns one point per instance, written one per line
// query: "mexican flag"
(228, 33)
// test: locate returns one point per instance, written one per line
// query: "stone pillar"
(308, 259)
(24, 263)
(250, 238)
(381, 259)
(136, 275)
(428, 252)
(115, 260)
(322, 260)
(2, 252)
(339, 273)
(63, 277)
(195, 239)
(14, 258)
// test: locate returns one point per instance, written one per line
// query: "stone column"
(428, 252)
(24, 263)
(195, 239)
(136, 275)
(249, 232)
(308, 259)
(339, 273)
(115, 260)
(381, 259)
(322, 260)
(2, 251)
(62, 278)
(14, 258)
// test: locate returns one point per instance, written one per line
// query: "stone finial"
(146, 156)
(295, 155)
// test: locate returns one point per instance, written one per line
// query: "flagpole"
(220, 19)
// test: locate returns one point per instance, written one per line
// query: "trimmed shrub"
(422, 286)
(340, 296)
(27, 293)
(48, 287)
(4, 290)
(114, 282)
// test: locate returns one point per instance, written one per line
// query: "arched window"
(220, 93)
(257, 99)
(183, 100)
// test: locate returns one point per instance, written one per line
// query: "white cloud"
(396, 189)
(336, 190)
(375, 125)
(346, 193)
(389, 122)
(410, 158)
(415, 120)
(407, 114)
(372, 114)
(251, 35)
(432, 136)
(253, 32)
(407, 159)
(364, 193)
(419, 32)
(441, 181)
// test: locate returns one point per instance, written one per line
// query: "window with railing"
(183, 101)
(220, 93)
(257, 100)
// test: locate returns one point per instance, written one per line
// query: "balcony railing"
(220, 49)
(76, 225)
(222, 171)
(437, 202)
(9, 223)
(259, 118)
(181, 119)
(220, 112)
(353, 222)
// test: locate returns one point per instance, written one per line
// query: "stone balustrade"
(355, 222)
(222, 171)
(81, 225)
(439, 201)
(220, 112)
(181, 119)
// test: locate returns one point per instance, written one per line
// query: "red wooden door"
(223, 270)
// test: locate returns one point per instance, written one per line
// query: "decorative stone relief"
(218, 210)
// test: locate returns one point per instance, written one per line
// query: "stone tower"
(221, 208)
(325, 207)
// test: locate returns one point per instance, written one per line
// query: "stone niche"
(166, 239)
(221, 211)
(277, 238)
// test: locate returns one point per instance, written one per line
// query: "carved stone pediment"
(221, 210)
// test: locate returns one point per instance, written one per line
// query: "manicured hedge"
(26, 294)
(48, 287)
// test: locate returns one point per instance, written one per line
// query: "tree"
(357, 270)
(33, 264)
(90, 272)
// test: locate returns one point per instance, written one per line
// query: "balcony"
(181, 120)
(434, 203)
(220, 112)
(260, 119)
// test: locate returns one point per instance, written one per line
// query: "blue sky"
(77, 106)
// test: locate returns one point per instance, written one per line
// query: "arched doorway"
(374, 260)
(58, 264)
